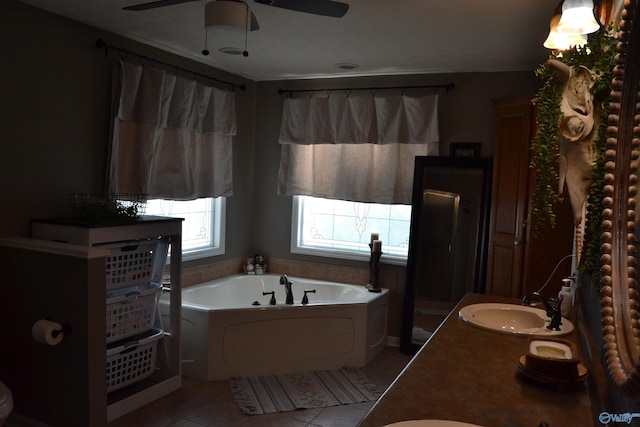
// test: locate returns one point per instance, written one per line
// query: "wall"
(55, 124)
(54, 118)
(466, 114)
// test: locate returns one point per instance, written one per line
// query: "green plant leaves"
(598, 55)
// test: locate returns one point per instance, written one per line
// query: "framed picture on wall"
(465, 150)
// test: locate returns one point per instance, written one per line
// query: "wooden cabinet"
(167, 232)
(60, 275)
(520, 262)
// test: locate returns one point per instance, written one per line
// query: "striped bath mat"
(279, 393)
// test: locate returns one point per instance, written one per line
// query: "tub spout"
(284, 280)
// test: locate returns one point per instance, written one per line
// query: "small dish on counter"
(553, 362)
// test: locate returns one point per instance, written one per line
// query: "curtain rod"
(447, 87)
(100, 44)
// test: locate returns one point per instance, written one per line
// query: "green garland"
(545, 150)
(598, 55)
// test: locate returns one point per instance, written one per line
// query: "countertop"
(464, 373)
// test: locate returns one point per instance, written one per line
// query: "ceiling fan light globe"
(225, 18)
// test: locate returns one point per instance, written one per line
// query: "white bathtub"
(225, 335)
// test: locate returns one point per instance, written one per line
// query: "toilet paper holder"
(66, 329)
(47, 331)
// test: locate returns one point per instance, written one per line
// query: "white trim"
(57, 248)
(217, 229)
(218, 235)
(384, 259)
(393, 341)
(136, 401)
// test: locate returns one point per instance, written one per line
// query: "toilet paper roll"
(47, 332)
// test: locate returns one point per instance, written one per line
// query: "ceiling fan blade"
(254, 22)
(316, 7)
(154, 4)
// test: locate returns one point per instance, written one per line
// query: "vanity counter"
(464, 373)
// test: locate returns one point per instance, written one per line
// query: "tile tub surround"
(210, 271)
(471, 375)
(312, 270)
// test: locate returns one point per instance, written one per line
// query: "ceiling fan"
(316, 7)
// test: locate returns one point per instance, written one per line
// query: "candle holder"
(374, 271)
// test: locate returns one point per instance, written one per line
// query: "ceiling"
(382, 36)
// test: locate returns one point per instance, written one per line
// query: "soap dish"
(553, 361)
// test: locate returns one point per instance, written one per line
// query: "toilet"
(6, 403)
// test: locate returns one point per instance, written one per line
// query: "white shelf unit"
(100, 234)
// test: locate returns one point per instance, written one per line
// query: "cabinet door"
(509, 197)
(521, 262)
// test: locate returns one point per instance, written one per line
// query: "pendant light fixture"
(557, 40)
(227, 21)
(578, 18)
(226, 18)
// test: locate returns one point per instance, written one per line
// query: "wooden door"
(519, 261)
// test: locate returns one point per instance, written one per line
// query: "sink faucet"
(551, 305)
(284, 280)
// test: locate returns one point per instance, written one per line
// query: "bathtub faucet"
(284, 280)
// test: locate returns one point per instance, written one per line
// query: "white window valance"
(355, 148)
(359, 120)
(172, 137)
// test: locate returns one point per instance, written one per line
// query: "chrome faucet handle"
(551, 306)
(556, 314)
(272, 301)
(305, 298)
(526, 300)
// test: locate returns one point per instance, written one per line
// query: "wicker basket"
(133, 360)
(131, 310)
(130, 263)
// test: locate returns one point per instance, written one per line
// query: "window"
(203, 225)
(342, 229)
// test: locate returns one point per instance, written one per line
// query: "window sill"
(385, 259)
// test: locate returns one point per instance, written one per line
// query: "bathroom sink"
(430, 423)
(512, 319)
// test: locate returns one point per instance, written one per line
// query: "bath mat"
(288, 392)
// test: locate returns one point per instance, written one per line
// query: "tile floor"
(210, 404)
